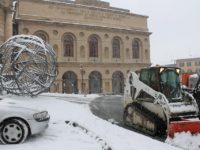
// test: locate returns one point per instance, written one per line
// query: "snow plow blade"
(192, 126)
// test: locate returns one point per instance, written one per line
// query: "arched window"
(93, 46)
(68, 45)
(116, 48)
(136, 49)
(43, 35)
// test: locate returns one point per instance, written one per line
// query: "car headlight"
(41, 116)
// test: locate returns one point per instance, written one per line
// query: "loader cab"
(163, 79)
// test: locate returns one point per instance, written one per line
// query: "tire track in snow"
(102, 142)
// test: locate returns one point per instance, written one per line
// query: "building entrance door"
(95, 82)
(117, 83)
(69, 82)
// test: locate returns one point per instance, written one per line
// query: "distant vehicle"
(18, 121)
(192, 81)
(185, 78)
(189, 81)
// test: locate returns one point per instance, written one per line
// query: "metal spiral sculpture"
(28, 65)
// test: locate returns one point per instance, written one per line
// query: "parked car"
(18, 121)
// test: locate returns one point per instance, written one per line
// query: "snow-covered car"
(18, 121)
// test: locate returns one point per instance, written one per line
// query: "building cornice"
(87, 26)
(188, 59)
(89, 64)
(73, 4)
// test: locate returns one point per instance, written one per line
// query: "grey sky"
(175, 25)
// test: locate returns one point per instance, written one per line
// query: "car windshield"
(170, 84)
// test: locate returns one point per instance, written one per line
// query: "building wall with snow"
(106, 42)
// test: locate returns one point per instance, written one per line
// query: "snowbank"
(185, 141)
(62, 136)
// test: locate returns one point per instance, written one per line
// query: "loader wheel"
(13, 132)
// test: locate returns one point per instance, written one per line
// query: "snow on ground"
(185, 141)
(89, 131)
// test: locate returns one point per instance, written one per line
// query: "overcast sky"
(175, 25)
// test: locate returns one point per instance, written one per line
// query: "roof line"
(88, 25)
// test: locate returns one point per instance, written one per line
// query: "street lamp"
(64, 86)
(82, 72)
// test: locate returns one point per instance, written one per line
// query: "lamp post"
(64, 86)
(82, 71)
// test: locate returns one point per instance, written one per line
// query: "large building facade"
(189, 65)
(5, 20)
(96, 44)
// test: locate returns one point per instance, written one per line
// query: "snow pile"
(98, 139)
(62, 136)
(185, 141)
(82, 96)
(59, 135)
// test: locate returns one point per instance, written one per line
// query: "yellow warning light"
(161, 70)
(178, 71)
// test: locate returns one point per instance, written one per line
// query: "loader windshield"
(170, 84)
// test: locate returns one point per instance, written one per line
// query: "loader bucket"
(192, 126)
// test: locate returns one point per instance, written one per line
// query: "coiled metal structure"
(28, 65)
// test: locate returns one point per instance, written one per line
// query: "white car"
(18, 121)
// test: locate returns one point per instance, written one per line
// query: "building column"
(60, 86)
(8, 24)
(2, 19)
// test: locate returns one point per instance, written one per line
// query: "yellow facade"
(84, 21)
(189, 65)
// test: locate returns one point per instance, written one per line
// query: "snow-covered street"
(73, 126)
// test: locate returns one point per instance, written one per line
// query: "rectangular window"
(189, 64)
(181, 64)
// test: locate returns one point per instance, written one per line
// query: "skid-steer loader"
(155, 103)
